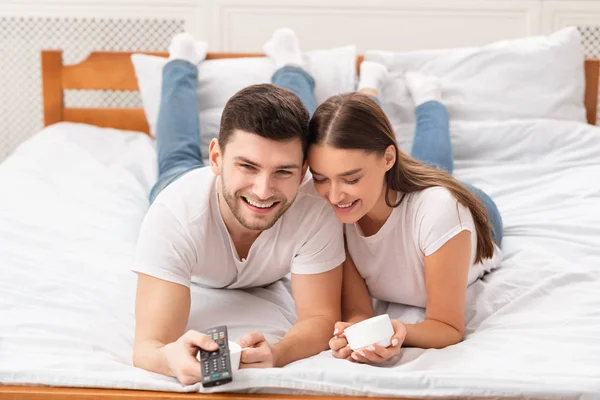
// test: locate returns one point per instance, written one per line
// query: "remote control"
(215, 365)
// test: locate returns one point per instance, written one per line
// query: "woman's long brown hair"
(355, 121)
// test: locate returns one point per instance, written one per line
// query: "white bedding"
(73, 197)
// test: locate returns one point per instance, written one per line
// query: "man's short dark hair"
(267, 110)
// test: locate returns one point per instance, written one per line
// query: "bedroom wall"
(79, 26)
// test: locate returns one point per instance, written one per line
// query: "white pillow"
(334, 72)
(533, 77)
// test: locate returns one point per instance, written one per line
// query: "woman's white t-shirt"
(392, 261)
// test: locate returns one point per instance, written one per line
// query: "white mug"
(377, 330)
(235, 355)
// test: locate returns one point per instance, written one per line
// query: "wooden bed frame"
(114, 71)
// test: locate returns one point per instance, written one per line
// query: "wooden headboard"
(114, 71)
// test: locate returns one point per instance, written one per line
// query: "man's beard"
(264, 223)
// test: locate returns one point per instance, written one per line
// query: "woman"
(414, 234)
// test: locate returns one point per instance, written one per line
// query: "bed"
(74, 196)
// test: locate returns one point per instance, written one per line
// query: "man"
(247, 220)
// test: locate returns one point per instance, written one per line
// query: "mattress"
(72, 199)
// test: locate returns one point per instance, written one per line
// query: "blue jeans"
(432, 146)
(298, 81)
(178, 125)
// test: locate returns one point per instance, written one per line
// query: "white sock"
(372, 76)
(283, 48)
(423, 88)
(184, 47)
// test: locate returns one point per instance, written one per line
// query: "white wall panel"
(558, 14)
(400, 24)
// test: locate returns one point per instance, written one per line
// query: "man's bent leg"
(298, 81)
(178, 126)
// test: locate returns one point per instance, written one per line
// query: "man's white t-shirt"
(183, 238)
(392, 260)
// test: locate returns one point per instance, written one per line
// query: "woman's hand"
(375, 354)
(338, 343)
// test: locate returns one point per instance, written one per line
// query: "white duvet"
(73, 197)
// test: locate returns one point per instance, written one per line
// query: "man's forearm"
(305, 339)
(148, 355)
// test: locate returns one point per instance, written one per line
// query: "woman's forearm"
(356, 301)
(431, 334)
(356, 316)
